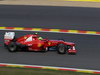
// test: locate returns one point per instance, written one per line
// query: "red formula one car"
(32, 42)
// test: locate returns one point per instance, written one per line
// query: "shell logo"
(39, 45)
(49, 43)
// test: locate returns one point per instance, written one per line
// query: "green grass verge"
(28, 71)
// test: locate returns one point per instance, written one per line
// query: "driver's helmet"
(40, 38)
(35, 35)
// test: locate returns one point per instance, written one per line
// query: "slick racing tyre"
(12, 47)
(61, 49)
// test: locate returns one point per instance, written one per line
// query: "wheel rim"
(61, 49)
(12, 47)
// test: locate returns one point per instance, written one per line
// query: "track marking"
(51, 30)
(50, 67)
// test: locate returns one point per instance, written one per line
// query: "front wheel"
(61, 49)
(12, 47)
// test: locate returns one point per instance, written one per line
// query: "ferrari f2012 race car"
(32, 42)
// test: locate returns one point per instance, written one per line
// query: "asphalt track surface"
(79, 18)
(88, 55)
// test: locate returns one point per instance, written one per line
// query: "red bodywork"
(34, 44)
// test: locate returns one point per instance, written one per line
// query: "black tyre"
(61, 49)
(12, 47)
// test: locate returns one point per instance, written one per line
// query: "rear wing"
(9, 35)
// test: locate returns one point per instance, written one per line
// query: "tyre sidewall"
(12, 47)
(61, 49)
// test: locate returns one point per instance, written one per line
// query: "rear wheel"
(61, 49)
(12, 47)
